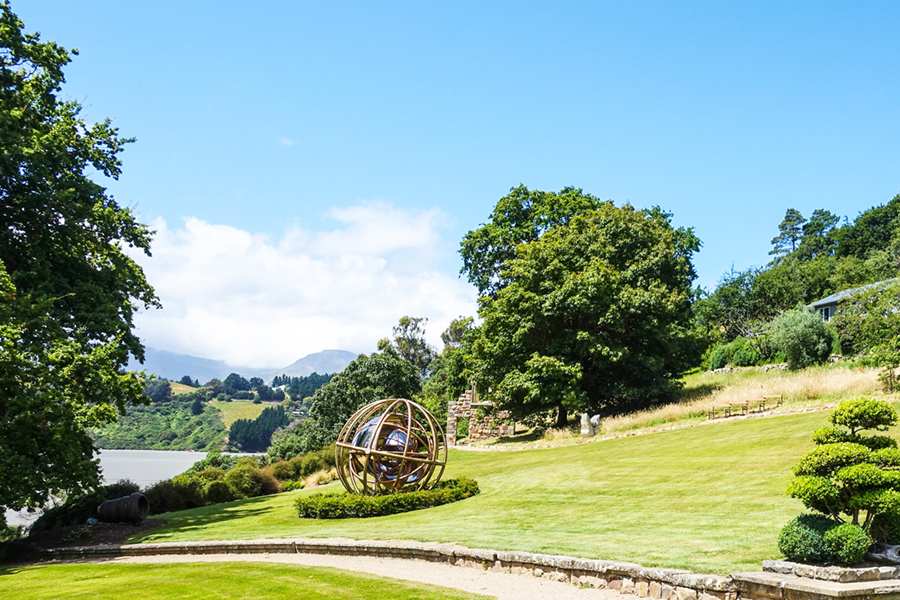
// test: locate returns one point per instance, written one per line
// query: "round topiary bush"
(803, 538)
(846, 544)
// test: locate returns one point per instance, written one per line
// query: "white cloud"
(286, 142)
(249, 300)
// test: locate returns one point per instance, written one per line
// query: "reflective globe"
(390, 446)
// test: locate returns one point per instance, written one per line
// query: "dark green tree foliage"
(520, 217)
(256, 435)
(170, 426)
(299, 388)
(818, 239)
(255, 382)
(368, 378)
(68, 291)
(592, 317)
(872, 230)
(235, 383)
(789, 233)
(450, 373)
(186, 380)
(158, 390)
(196, 407)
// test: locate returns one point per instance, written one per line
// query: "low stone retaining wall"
(780, 582)
(660, 584)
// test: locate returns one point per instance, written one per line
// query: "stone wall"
(654, 583)
(490, 426)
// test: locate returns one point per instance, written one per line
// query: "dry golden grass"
(815, 387)
(810, 388)
(179, 389)
(319, 478)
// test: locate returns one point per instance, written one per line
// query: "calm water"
(144, 467)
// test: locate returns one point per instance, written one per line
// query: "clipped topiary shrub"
(846, 544)
(347, 505)
(803, 538)
(849, 476)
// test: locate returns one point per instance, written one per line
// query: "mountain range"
(174, 366)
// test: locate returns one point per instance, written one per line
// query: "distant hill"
(326, 361)
(174, 366)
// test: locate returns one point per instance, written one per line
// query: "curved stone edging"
(627, 578)
(657, 583)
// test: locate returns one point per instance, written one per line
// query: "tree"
(817, 235)
(236, 383)
(69, 290)
(186, 380)
(409, 343)
(368, 378)
(803, 336)
(158, 390)
(789, 232)
(873, 229)
(520, 217)
(255, 382)
(593, 317)
(849, 476)
(456, 331)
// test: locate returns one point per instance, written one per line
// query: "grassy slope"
(238, 409)
(708, 498)
(219, 581)
(179, 388)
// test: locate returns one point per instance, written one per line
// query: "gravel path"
(504, 586)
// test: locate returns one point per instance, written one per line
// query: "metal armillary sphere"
(390, 446)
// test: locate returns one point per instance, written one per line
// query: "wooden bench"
(725, 408)
(777, 400)
(759, 404)
(742, 406)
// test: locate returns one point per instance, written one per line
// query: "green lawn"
(238, 409)
(213, 581)
(708, 498)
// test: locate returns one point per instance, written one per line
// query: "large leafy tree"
(520, 217)
(592, 317)
(69, 289)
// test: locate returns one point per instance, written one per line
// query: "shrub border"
(346, 505)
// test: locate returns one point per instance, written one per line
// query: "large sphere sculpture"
(390, 446)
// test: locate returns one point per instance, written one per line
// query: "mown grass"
(212, 581)
(238, 409)
(707, 498)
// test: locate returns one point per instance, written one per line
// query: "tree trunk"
(562, 417)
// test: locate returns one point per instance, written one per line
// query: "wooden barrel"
(128, 509)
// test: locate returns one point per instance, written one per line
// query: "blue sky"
(347, 147)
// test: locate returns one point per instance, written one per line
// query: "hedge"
(347, 505)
